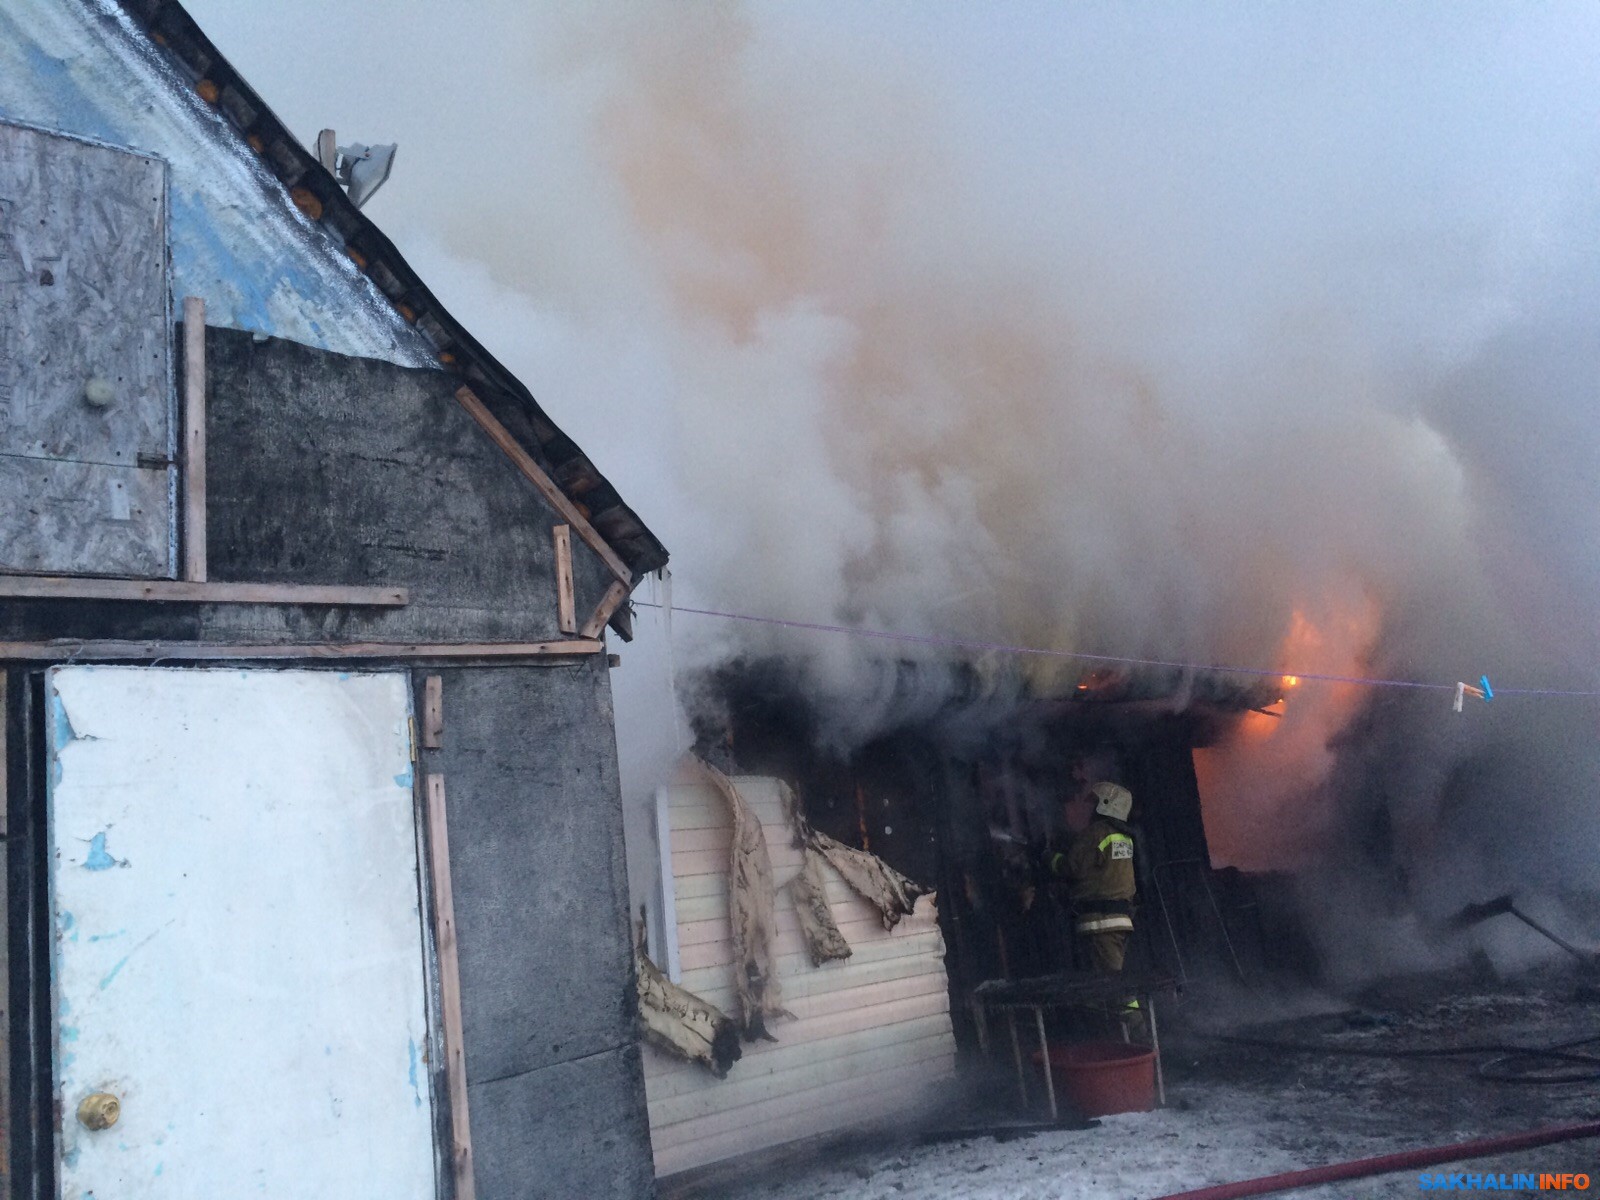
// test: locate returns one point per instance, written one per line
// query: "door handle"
(99, 1111)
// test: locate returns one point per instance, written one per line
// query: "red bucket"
(1100, 1078)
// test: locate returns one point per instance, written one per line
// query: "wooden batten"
(566, 606)
(5, 761)
(100, 651)
(172, 591)
(194, 439)
(432, 712)
(444, 926)
(535, 474)
(615, 595)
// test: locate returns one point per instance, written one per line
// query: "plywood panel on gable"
(85, 358)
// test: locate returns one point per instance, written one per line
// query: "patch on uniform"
(1121, 850)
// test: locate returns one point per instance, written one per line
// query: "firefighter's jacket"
(1098, 867)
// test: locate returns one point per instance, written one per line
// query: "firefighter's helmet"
(1112, 800)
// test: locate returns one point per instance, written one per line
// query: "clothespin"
(1462, 689)
(1488, 692)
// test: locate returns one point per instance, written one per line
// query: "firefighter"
(1098, 869)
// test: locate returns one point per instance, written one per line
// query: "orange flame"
(1263, 789)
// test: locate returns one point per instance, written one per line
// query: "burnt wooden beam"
(535, 474)
(615, 595)
(74, 587)
(79, 649)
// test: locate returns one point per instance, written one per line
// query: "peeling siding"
(871, 1033)
(81, 68)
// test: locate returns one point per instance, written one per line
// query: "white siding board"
(790, 945)
(901, 978)
(801, 1115)
(873, 1050)
(809, 1037)
(848, 913)
(903, 1021)
(841, 978)
(717, 930)
(715, 887)
(923, 945)
(869, 1032)
(873, 994)
(715, 862)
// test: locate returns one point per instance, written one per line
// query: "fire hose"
(1383, 1164)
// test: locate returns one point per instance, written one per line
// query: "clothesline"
(1082, 656)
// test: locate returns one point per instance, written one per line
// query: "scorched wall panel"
(536, 861)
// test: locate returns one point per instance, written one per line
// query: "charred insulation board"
(86, 391)
(548, 999)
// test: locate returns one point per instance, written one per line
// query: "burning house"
(323, 873)
(283, 553)
(961, 798)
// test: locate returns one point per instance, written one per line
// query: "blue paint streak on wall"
(69, 1033)
(404, 779)
(106, 937)
(98, 859)
(200, 253)
(70, 106)
(60, 725)
(416, 1088)
(106, 982)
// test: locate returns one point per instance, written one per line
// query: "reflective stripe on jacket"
(1099, 865)
(1103, 923)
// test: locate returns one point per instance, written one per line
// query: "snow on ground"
(1237, 1112)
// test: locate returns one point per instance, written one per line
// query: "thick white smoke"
(1232, 335)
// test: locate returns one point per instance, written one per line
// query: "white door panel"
(239, 953)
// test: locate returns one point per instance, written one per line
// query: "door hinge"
(155, 462)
